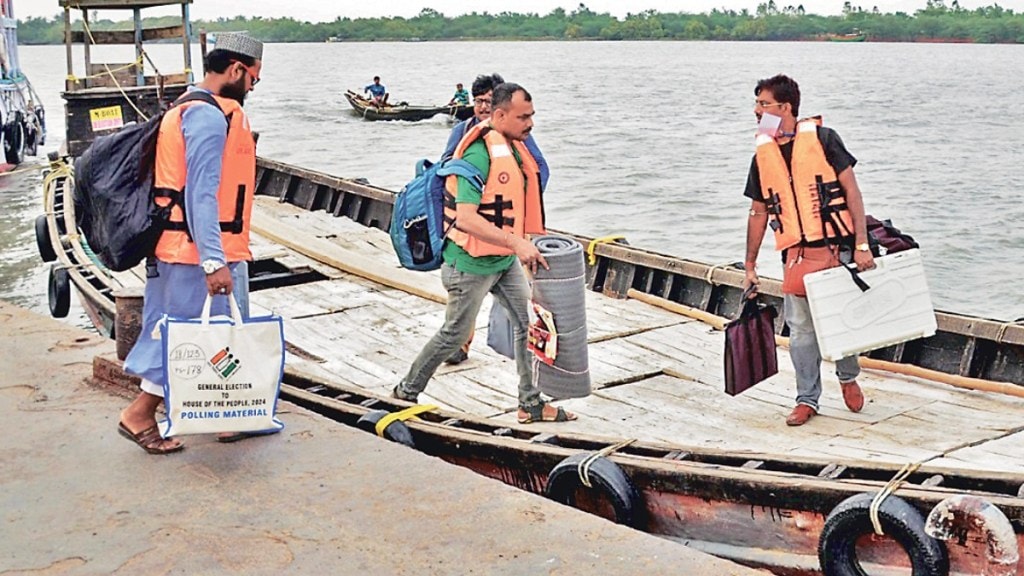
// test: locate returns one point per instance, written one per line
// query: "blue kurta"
(180, 289)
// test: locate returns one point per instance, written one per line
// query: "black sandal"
(536, 414)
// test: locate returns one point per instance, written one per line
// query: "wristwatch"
(211, 266)
(863, 247)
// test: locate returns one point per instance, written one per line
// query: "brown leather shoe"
(853, 397)
(800, 415)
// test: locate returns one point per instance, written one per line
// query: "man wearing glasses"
(483, 91)
(801, 183)
(487, 248)
(206, 172)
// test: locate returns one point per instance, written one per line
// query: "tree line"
(937, 21)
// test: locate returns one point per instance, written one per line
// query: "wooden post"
(86, 45)
(128, 319)
(68, 83)
(140, 71)
(187, 41)
(202, 47)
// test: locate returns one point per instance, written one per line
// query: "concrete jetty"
(319, 498)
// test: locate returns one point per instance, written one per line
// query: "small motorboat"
(403, 111)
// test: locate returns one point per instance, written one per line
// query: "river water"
(651, 140)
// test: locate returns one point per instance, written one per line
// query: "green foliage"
(770, 21)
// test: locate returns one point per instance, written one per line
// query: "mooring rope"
(583, 468)
(898, 480)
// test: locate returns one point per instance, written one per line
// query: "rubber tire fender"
(397, 431)
(851, 519)
(605, 475)
(43, 239)
(59, 291)
(14, 141)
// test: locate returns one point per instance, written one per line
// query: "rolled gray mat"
(562, 291)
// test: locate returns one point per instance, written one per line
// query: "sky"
(324, 10)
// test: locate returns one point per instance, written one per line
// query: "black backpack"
(114, 192)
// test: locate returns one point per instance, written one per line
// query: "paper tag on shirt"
(500, 151)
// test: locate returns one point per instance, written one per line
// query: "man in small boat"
(801, 183)
(378, 93)
(209, 156)
(482, 88)
(482, 256)
(461, 97)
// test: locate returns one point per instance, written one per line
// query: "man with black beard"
(206, 171)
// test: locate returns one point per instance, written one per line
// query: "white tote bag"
(222, 374)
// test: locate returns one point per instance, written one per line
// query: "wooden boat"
(366, 109)
(22, 118)
(100, 98)
(661, 447)
(722, 474)
(852, 37)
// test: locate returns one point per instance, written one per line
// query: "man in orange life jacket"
(206, 160)
(801, 183)
(489, 236)
(482, 88)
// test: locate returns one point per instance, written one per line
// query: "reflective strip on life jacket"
(794, 200)
(511, 197)
(234, 196)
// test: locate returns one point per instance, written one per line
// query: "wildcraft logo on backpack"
(417, 221)
(114, 192)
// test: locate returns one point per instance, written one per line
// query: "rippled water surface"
(653, 140)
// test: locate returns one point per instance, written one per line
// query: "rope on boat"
(61, 171)
(403, 415)
(898, 480)
(583, 468)
(591, 256)
(711, 271)
(88, 252)
(138, 62)
(1004, 326)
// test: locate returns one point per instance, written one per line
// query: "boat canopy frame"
(110, 95)
(111, 75)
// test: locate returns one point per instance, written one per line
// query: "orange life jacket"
(795, 200)
(511, 196)
(234, 196)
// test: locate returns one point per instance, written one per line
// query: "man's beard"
(235, 91)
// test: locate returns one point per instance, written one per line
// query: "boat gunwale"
(666, 470)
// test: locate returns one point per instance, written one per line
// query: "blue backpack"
(417, 221)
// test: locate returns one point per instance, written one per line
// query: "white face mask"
(769, 125)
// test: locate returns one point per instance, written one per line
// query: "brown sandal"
(148, 439)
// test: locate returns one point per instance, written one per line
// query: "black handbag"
(750, 354)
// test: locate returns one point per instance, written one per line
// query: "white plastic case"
(897, 307)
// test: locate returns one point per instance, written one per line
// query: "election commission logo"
(225, 363)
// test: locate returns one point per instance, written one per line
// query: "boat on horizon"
(851, 37)
(366, 109)
(658, 447)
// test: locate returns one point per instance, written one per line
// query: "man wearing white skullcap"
(206, 168)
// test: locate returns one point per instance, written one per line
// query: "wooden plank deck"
(657, 375)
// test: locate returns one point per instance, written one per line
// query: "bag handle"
(236, 313)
